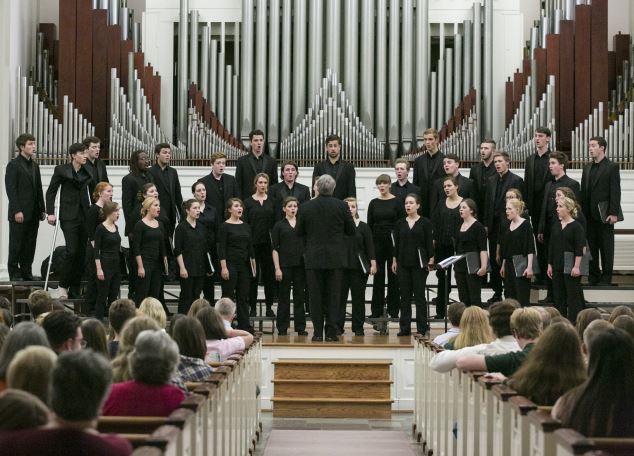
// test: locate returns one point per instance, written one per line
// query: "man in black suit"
(482, 171)
(340, 170)
(255, 162)
(288, 187)
(466, 187)
(402, 187)
(26, 207)
(169, 187)
(495, 212)
(74, 202)
(94, 165)
(427, 168)
(219, 185)
(323, 222)
(601, 203)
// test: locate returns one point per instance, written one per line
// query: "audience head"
(173, 320)
(618, 311)
(526, 323)
(23, 335)
(63, 330)
(584, 318)
(454, 313)
(153, 308)
(474, 328)
(197, 305)
(21, 410)
(547, 314)
(226, 308)
(591, 332)
(80, 382)
(94, 333)
(5, 311)
(40, 301)
(154, 358)
(129, 334)
(31, 370)
(325, 185)
(212, 324)
(500, 317)
(625, 323)
(189, 335)
(120, 311)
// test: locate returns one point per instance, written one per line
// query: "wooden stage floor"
(348, 340)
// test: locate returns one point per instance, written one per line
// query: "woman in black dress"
(149, 251)
(568, 239)
(190, 249)
(288, 251)
(259, 213)
(471, 240)
(446, 221)
(361, 263)
(237, 262)
(413, 259)
(210, 219)
(107, 245)
(383, 213)
(517, 242)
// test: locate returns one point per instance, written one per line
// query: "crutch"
(50, 258)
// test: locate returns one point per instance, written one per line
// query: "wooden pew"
(569, 442)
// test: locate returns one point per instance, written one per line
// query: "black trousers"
(325, 299)
(441, 252)
(237, 288)
(354, 280)
(90, 294)
(76, 236)
(295, 278)
(542, 250)
(469, 288)
(107, 290)
(494, 278)
(384, 254)
(516, 287)
(191, 288)
(412, 281)
(265, 273)
(22, 237)
(568, 295)
(209, 282)
(601, 241)
(132, 270)
(152, 284)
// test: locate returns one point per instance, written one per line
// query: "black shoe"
(332, 339)
(317, 339)
(302, 333)
(359, 333)
(493, 299)
(282, 333)
(438, 317)
(270, 313)
(404, 333)
(253, 313)
(546, 300)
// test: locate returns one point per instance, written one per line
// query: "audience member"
(129, 333)
(625, 323)
(79, 384)
(63, 330)
(152, 364)
(500, 321)
(30, 370)
(584, 318)
(189, 335)
(554, 367)
(602, 405)
(94, 333)
(620, 310)
(197, 305)
(23, 335)
(6, 312)
(40, 301)
(547, 313)
(119, 313)
(21, 410)
(474, 329)
(454, 314)
(153, 308)
(595, 328)
(226, 308)
(526, 324)
(219, 345)
(4, 333)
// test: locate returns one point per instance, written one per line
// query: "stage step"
(332, 388)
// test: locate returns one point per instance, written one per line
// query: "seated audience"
(152, 364)
(30, 370)
(63, 330)
(153, 308)
(226, 308)
(595, 328)
(4, 332)
(79, 384)
(23, 335)
(584, 318)
(554, 367)
(620, 310)
(474, 329)
(602, 405)
(197, 305)
(526, 324)
(40, 301)
(21, 410)
(219, 345)
(454, 314)
(119, 312)
(625, 323)
(94, 333)
(189, 335)
(500, 321)
(129, 333)
(547, 313)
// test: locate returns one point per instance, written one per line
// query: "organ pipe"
(394, 78)
(422, 70)
(315, 43)
(260, 65)
(247, 67)
(407, 81)
(333, 34)
(488, 68)
(182, 83)
(366, 95)
(193, 48)
(351, 51)
(299, 62)
(381, 71)
(213, 75)
(204, 62)
(274, 80)
(285, 68)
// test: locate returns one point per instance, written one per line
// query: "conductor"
(323, 222)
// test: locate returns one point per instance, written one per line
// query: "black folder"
(569, 262)
(603, 212)
(520, 263)
(365, 263)
(473, 262)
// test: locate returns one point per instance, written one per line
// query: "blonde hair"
(147, 204)
(153, 308)
(474, 328)
(570, 205)
(129, 333)
(30, 370)
(517, 204)
(197, 305)
(352, 199)
(527, 323)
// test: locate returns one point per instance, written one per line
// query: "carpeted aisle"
(331, 443)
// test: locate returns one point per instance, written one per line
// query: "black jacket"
(345, 177)
(605, 187)
(424, 176)
(97, 171)
(214, 197)
(565, 181)
(169, 190)
(247, 167)
(131, 186)
(479, 175)
(280, 191)
(75, 198)
(510, 181)
(24, 189)
(530, 181)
